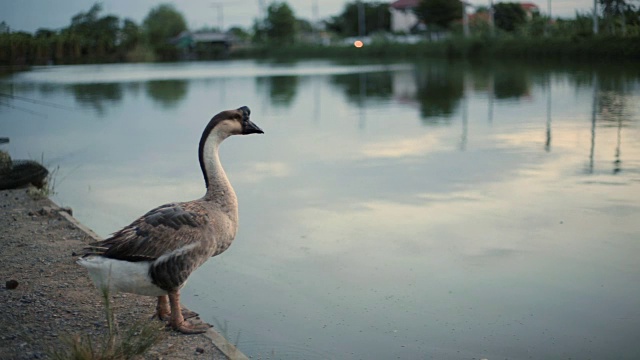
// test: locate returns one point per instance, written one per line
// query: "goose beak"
(248, 127)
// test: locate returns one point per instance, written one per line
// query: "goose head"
(231, 122)
(220, 127)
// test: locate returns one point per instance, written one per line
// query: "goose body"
(156, 253)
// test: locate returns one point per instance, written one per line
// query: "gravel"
(47, 297)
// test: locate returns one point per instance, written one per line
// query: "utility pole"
(314, 11)
(465, 18)
(595, 17)
(491, 22)
(361, 20)
(548, 23)
(219, 6)
(263, 9)
(314, 16)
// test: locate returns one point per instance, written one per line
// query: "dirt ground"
(55, 299)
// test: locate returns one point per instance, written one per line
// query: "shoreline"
(55, 299)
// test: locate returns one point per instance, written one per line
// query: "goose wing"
(161, 231)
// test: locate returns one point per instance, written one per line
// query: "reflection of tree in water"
(511, 83)
(167, 92)
(363, 86)
(440, 88)
(614, 90)
(97, 96)
(282, 89)
(505, 80)
(614, 112)
(612, 108)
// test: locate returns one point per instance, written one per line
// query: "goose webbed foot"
(163, 310)
(186, 327)
(188, 314)
(166, 316)
(177, 317)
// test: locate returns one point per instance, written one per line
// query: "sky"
(30, 15)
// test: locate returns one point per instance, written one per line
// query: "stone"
(12, 284)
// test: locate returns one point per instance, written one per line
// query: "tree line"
(616, 17)
(92, 37)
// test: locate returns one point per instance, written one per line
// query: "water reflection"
(99, 97)
(281, 89)
(503, 196)
(547, 142)
(168, 93)
(511, 82)
(365, 86)
(440, 87)
(611, 107)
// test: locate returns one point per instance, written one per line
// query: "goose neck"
(218, 186)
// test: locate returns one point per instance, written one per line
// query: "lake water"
(424, 210)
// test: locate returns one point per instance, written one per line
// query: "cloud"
(257, 172)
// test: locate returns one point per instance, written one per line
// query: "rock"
(12, 284)
(199, 350)
(46, 211)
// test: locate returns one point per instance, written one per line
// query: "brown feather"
(159, 232)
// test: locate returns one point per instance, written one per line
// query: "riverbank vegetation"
(602, 47)
(131, 343)
(508, 30)
(93, 38)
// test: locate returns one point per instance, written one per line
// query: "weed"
(136, 340)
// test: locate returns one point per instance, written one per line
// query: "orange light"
(358, 44)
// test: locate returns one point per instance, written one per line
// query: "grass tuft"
(48, 187)
(135, 341)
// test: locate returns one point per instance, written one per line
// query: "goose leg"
(163, 310)
(178, 322)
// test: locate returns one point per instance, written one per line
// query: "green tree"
(376, 18)
(280, 25)
(439, 13)
(98, 35)
(130, 35)
(615, 12)
(161, 24)
(613, 7)
(239, 34)
(509, 16)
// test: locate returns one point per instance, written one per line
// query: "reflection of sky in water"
(384, 214)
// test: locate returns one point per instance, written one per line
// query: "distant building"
(530, 9)
(403, 17)
(202, 45)
(189, 39)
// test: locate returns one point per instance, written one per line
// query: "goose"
(157, 252)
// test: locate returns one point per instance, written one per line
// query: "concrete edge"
(227, 348)
(219, 341)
